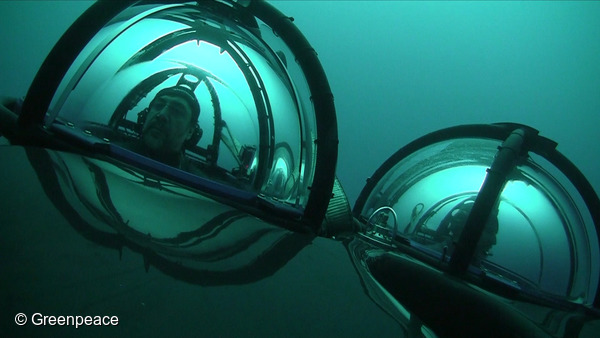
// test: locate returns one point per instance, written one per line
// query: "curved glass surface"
(255, 123)
(539, 237)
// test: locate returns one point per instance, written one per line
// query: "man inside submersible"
(168, 125)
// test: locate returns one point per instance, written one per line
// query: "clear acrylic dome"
(537, 233)
(265, 107)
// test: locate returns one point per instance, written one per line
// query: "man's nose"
(163, 115)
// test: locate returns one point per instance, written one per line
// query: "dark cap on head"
(185, 93)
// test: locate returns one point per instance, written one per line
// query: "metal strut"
(503, 163)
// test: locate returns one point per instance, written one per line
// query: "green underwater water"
(399, 70)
